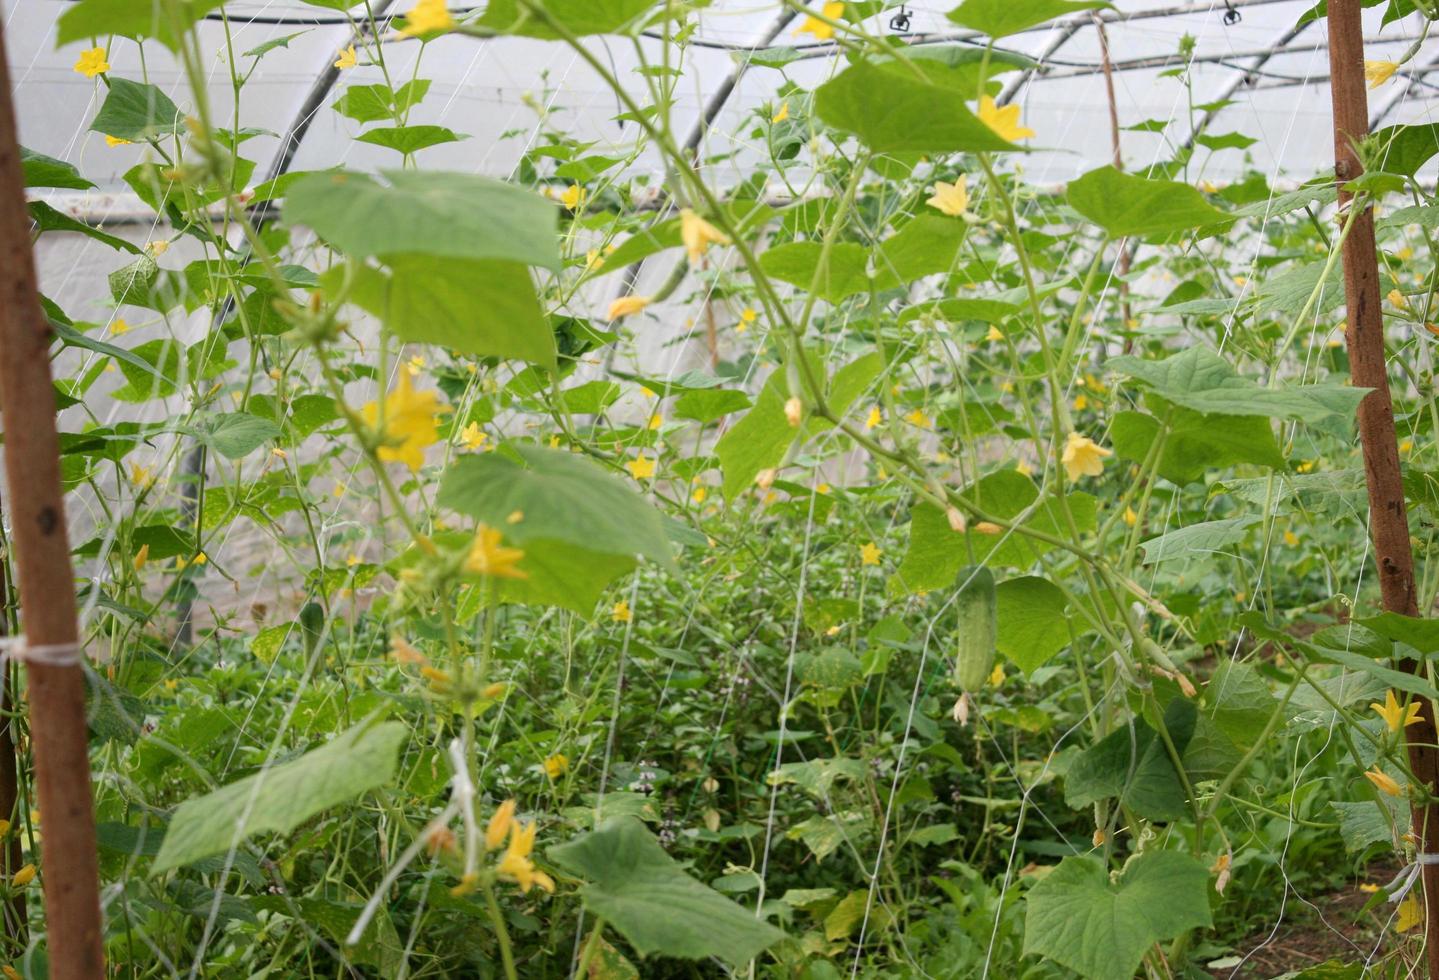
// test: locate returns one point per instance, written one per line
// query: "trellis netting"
(746, 488)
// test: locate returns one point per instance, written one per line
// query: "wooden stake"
(1388, 517)
(46, 583)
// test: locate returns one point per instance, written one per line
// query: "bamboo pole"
(1388, 518)
(46, 582)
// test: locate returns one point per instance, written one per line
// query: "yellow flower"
(874, 418)
(1404, 254)
(24, 876)
(92, 62)
(426, 17)
(781, 114)
(1411, 914)
(141, 477)
(115, 141)
(1080, 403)
(1397, 715)
(1407, 446)
(10, 972)
(1383, 783)
(951, 199)
(574, 197)
(469, 881)
(346, 59)
(351, 560)
(1083, 456)
(411, 419)
(626, 306)
(516, 862)
(488, 557)
(1376, 73)
(1291, 539)
(620, 613)
(1004, 120)
(698, 234)
(1023, 468)
(918, 418)
(118, 327)
(657, 422)
(748, 316)
(499, 826)
(996, 676)
(141, 557)
(817, 27)
(994, 334)
(473, 437)
(1398, 299)
(1130, 517)
(794, 412)
(869, 554)
(641, 467)
(556, 765)
(200, 558)
(699, 495)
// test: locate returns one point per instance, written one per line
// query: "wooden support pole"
(1388, 517)
(46, 583)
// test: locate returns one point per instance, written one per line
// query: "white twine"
(1406, 879)
(44, 654)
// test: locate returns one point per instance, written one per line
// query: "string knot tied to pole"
(1406, 879)
(44, 654)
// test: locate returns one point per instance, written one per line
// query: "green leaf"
(47, 218)
(563, 497)
(1032, 622)
(1133, 765)
(1239, 702)
(135, 19)
(641, 891)
(706, 406)
(1203, 540)
(43, 171)
(1000, 18)
(561, 574)
(961, 311)
(1101, 929)
(1421, 634)
(371, 103)
(577, 17)
(925, 246)
(136, 112)
(474, 306)
(891, 111)
(1195, 444)
(280, 798)
(238, 434)
(1200, 379)
(409, 139)
(460, 216)
(1403, 150)
(1127, 206)
(797, 263)
(1362, 824)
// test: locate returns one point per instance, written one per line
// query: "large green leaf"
(282, 797)
(43, 171)
(1101, 928)
(797, 263)
(647, 897)
(134, 111)
(1404, 149)
(891, 111)
(1000, 18)
(1133, 765)
(135, 19)
(559, 573)
(371, 103)
(925, 246)
(1203, 540)
(460, 216)
(562, 497)
(1128, 206)
(238, 434)
(1421, 634)
(474, 306)
(409, 139)
(46, 218)
(1032, 622)
(1194, 444)
(1200, 379)
(937, 552)
(577, 17)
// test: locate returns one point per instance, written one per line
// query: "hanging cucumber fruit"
(976, 629)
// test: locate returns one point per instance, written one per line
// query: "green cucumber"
(977, 628)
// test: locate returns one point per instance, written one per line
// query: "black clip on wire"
(1231, 15)
(899, 23)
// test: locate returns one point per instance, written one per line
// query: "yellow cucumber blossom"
(698, 234)
(951, 199)
(1083, 456)
(347, 58)
(426, 17)
(1397, 715)
(92, 62)
(516, 864)
(499, 825)
(1004, 120)
(1383, 782)
(626, 306)
(411, 423)
(818, 28)
(1376, 73)
(488, 557)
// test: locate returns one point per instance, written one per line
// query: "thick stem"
(1388, 519)
(46, 582)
